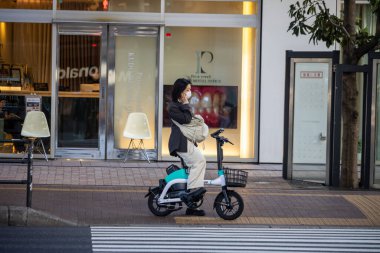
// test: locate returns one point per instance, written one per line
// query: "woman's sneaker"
(192, 197)
(195, 212)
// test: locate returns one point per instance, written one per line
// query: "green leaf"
(296, 31)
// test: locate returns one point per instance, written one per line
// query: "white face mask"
(188, 94)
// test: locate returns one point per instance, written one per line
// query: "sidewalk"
(112, 193)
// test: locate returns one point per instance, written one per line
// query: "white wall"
(275, 41)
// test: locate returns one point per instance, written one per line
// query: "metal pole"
(29, 185)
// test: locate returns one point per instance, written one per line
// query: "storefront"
(93, 62)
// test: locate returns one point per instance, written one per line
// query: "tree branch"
(364, 49)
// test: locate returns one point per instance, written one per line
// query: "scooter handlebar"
(230, 142)
(220, 138)
(216, 134)
(223, 139)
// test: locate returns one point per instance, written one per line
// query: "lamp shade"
(35, 125)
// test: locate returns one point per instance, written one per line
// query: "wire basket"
(235, 177)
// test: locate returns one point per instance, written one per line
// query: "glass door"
(81, 79)
(132, 86)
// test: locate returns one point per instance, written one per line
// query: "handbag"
(196, 130)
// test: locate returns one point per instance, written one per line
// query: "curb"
(24, 216)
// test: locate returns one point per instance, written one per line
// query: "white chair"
(36, 127)
(137, 128)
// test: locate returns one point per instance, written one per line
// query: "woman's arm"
(180, 113)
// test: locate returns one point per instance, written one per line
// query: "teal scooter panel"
(178, 174)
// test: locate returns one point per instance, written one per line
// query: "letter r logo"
(203, 57)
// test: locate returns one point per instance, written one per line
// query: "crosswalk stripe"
(229, 239)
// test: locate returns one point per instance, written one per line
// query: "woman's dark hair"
(178, 87)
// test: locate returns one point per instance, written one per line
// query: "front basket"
(235, 177)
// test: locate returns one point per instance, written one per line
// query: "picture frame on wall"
(16, 75)
(5, 70)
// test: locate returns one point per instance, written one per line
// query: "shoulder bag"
(196, 130)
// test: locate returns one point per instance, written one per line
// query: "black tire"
(158, 210)
(229, 213)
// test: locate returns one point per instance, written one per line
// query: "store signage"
(201, 75)
(69, 73)
(208, 55)
(311, 74)
(32, 103)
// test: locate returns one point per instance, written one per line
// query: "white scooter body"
(219, 181)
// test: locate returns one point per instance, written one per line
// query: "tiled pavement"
(112, 193)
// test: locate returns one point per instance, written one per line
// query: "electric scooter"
(171, 192)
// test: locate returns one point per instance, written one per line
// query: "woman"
(180, 111)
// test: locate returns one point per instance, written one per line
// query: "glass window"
(220, 63)
(25, 67)
(111, 5)
(206, 6)
(83, 5)
(135, 84)
(26, 4)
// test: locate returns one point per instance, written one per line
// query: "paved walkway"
(112, 193)
(115, 173)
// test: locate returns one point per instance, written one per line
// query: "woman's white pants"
(196, 162)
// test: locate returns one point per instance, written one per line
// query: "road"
(187, 239)
(45, 240)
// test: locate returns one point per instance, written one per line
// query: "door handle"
(322, 137)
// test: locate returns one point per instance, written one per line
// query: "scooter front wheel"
(229, 212)
(155, 208)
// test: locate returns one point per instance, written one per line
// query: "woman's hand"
(184, 99)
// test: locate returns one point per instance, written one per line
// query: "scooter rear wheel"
(155, 208)
(229, 213)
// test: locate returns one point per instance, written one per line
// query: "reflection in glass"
(135, 6)
(360, 86)
(111, 5)
(25, 67)
(25, 57)
(78, 122)
(78, 107)
(377, 135)
(12, 114)
(26, 4)
(211, 7)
